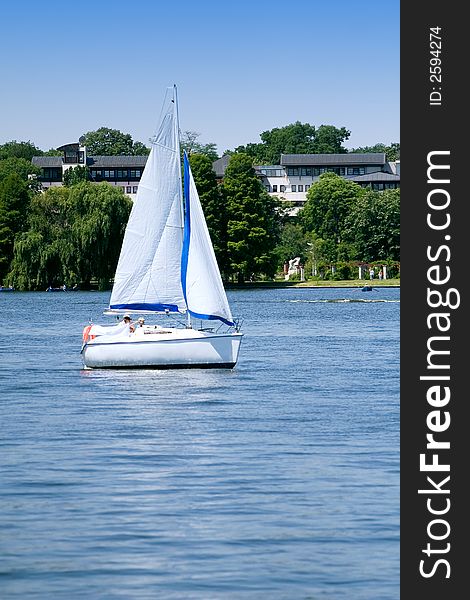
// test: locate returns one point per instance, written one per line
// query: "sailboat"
(166, 266)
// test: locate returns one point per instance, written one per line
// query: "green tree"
(16, 149)
(112, 142)
(74, 175)
(53, 152)
(293, 242)
(212, 204)
(252, 221)
(373, 226)
(329, 140)
(140, 149)
(296, 138)
(192, 146)
(74, 236)
(329, 202)
(392, 152)
(14, 203)
(18, 166)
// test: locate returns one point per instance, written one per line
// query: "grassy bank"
(359, 283)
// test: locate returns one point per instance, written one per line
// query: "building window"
(122, 174)
(134, 189)
(51, 174)
(128, 190)
(109, 174)
(307, 187)
(274, 188)
(356, 171)
(70, 157)
(301, 188)
(268, 188)
(292, 170)
(282, 188)
(293, 188)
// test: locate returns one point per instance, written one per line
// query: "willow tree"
(14, 204)
(74, 236)
(252, 221)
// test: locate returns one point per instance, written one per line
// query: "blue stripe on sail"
(187, 228)
(211, 318)
(143, 306)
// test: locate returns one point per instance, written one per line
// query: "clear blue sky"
(241, 68)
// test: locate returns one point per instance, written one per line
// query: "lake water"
(279, 479)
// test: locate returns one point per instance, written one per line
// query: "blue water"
(279, 479)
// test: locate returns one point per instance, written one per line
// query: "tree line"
(73, 234)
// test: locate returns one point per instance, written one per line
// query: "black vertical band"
(435, 236)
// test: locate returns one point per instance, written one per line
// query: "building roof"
(377, 176)
(47, 161)
(96, 162)
(73, 146)
(220, 165)
(349, 158)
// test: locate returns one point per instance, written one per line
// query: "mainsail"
(148, 275)
(165, 264)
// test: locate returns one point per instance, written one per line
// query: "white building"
(291, 180)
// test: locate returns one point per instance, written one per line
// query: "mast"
(177, 124)
(175, 100)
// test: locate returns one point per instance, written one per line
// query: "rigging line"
(162, 109)
(165, 147)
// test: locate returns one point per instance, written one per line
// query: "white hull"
(163, 349)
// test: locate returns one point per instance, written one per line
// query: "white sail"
(148, 275)
(202, 285)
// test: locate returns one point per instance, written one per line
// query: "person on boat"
(121, 328)
(128, 321)
(140, 321)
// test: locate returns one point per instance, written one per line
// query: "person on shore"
(371, 273)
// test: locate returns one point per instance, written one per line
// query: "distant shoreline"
(352, 284)
(355, 284)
